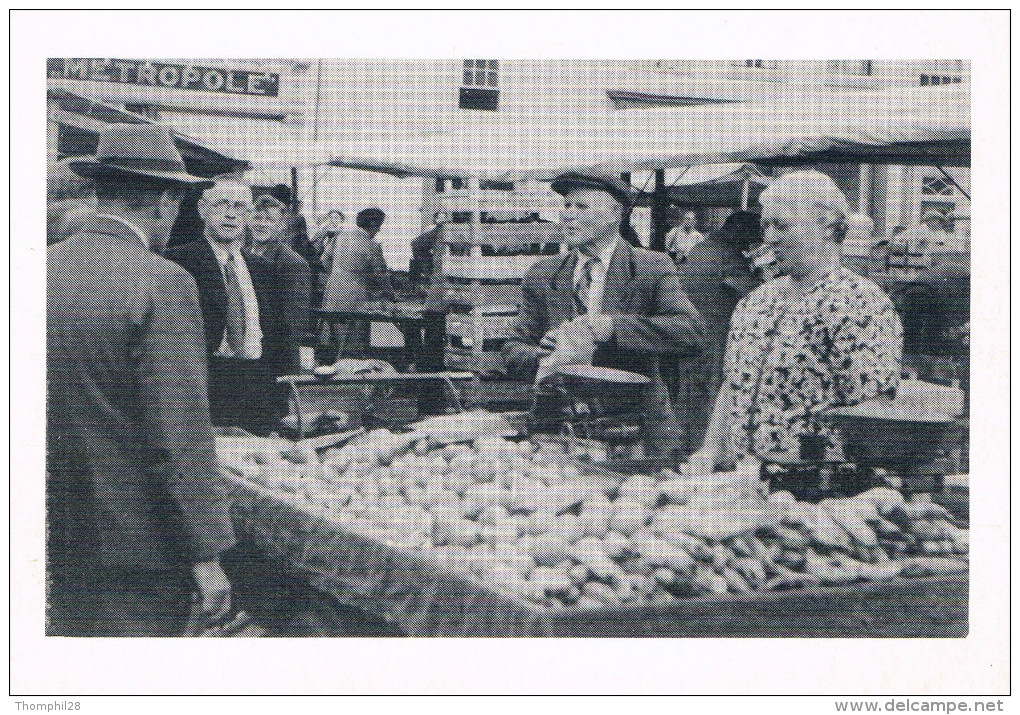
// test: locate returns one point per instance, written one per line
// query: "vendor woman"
(819, 336)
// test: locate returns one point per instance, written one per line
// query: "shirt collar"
(134, 229)
(224, 251)
(605, 255)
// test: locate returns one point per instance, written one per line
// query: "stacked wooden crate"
(482, 272)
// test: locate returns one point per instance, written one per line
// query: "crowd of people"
(149, 347)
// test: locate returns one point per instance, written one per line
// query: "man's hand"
(549, 340)
(601, 326)
(215, 589)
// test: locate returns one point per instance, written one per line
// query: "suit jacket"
(651, 316)
(291, 294)
(132, 476)
(200, 261)
(716, 277)
(357, 270)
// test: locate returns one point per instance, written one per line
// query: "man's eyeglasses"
(241, 207)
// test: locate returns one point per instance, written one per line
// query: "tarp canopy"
(85, 117)
(925, 126)
(715, 185)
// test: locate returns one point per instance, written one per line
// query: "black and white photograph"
(668, 351)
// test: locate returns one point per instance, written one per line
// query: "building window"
(852, 67)
(481, 73)
(946, 208)
(931, 79)
(478, 90)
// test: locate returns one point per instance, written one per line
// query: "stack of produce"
(530, 524)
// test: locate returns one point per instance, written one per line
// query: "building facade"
(354, 104)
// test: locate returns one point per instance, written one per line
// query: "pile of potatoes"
(528, 523)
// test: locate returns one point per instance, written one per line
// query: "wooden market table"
(424, 598)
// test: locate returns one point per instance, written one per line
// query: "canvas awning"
(926, 126)
(85, 117)
(714, 185)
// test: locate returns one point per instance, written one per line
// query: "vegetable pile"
(531, 524)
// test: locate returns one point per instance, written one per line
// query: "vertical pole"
(745, 191)
(293, 186)
(864, 189)
(315, 139)
(660, 204)
(315, 192)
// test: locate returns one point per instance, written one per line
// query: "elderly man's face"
(795, 230)
(225, 209)
(690, 221)
(589, 215)
(267, 223)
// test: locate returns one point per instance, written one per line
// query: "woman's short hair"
(812, 186)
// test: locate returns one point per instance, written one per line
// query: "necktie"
(235, 308)
(582, 290)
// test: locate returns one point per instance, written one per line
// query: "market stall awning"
(926, 126)
(715, 185)
(85, 117)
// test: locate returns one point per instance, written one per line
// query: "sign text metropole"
(161, 74)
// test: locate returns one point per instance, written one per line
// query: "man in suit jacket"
(292, 282)
(627, 299)
(357, 273)
(236, 293)
(136, 519)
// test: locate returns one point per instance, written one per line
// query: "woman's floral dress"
(790, 355)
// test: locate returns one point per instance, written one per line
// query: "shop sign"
(160, 74)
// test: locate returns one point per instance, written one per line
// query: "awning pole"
(745, 191)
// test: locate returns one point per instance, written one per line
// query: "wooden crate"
(481, 293)
(475, 339)
(498, 252)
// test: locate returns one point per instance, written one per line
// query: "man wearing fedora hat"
(626, 300)
(136, 520)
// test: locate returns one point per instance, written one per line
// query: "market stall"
(586, 551)
(473, 534)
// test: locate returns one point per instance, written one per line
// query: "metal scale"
(323, 404)
(597, 407)
(911, 443)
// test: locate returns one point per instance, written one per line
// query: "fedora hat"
(137, 150)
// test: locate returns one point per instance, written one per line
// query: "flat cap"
(565, 183)
(280, 193)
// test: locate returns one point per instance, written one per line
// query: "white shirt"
(252, 329)
(137, 231)
(599, 268)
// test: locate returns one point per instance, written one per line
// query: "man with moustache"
(292, 280)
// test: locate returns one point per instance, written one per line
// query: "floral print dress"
(791, 354)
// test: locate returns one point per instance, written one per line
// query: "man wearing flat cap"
(292, 280)
(627, 300)
(136, 519)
